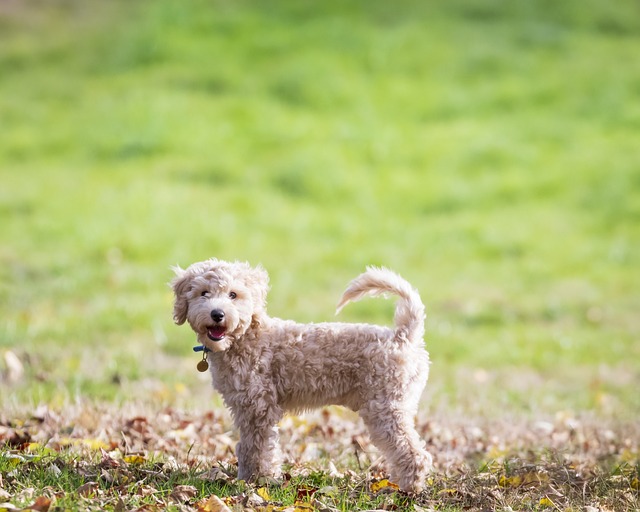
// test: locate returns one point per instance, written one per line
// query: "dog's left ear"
(180, 285)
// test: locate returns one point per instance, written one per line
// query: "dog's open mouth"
(216, 332)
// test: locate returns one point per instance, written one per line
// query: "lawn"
(486, 152)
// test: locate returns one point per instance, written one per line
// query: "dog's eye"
(232, 295)
(204, 293)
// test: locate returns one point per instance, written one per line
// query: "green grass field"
(488, 152)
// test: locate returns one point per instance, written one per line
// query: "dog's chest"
(234, 373)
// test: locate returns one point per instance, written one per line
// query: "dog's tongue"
(216, 333)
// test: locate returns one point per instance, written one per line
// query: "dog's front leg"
(258, 451)
(258, 454)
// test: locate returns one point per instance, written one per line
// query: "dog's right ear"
(180, 285)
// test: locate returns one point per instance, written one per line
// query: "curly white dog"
(265, 366)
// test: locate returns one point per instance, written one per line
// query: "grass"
(487, 152)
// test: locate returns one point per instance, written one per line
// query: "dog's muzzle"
(217, 331)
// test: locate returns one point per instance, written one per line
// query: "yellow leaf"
(212, 504)
(263, 493)
(15, 459)
(269, 508)
(510, 481)
(383, 484)
(93, 444)
(134, 459)
(546, 502)
(301, 506)
(628, 456)
(496, 453)
(532, 477)
(635, 483)
(535, 477)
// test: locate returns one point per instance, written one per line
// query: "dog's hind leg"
(394, 434)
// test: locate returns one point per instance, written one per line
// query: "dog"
(264, 366)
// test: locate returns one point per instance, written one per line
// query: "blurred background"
(487, 151)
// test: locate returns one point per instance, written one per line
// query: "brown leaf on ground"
(88, 489)
(120, 506)
(183, 493)
(41, 504)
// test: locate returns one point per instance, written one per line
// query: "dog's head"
(220, 300)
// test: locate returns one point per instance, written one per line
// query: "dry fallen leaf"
(87, 489)
(120, 506)
(303, 506)
(15, 368)
(41, 504)
(182, 493)
(305, 492)
(212, 504)
(135, 459)
(528, 478)
(546, 502)
(263, 492)
(383, 484)
(214, 474)
(254, 500)
(333, 471)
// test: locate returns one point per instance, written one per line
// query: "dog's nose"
(217, 315)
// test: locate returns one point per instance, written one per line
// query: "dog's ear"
(180, 285)
(257, 280)
(260, 282)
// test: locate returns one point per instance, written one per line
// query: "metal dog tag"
(202, 366)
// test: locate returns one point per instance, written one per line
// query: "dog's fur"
(265, 366)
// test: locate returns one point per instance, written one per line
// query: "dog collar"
(201, 348)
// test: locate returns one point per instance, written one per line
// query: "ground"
(126, 459)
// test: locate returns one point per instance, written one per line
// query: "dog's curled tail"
(409, 316)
